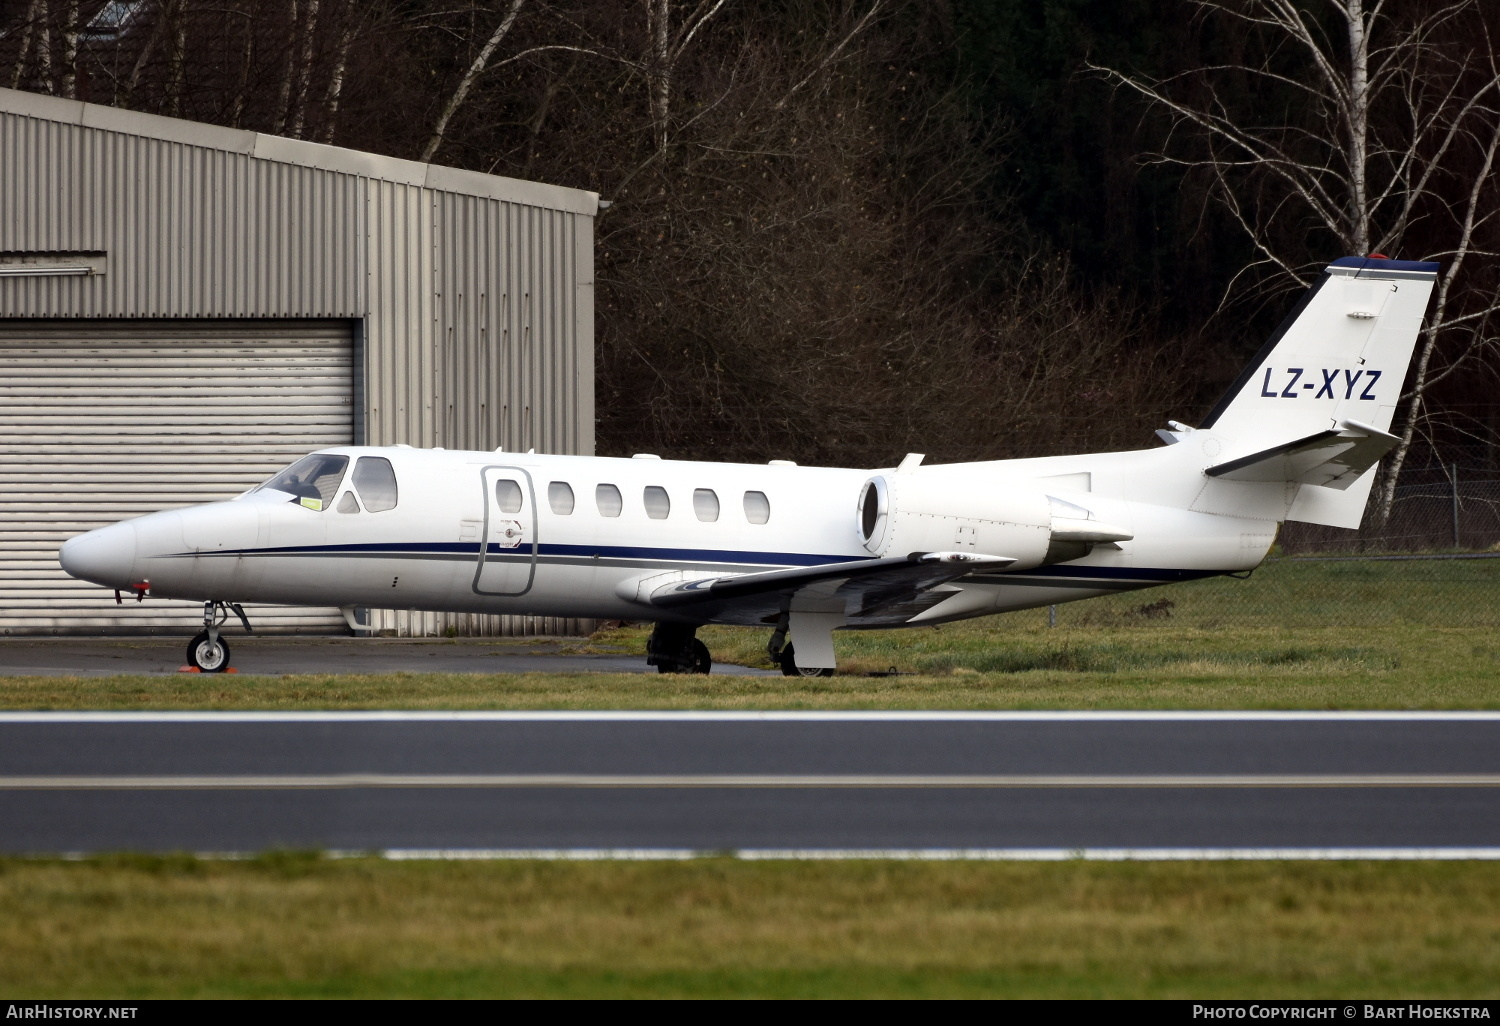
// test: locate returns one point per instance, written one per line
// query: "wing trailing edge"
(861, 586)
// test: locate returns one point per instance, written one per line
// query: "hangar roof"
(298, 151)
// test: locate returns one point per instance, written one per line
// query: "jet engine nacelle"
(899, 514)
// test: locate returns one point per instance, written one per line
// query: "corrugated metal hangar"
(185, 309)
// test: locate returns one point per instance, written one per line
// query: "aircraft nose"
(105, 556)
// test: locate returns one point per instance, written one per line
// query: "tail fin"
(1315, 408)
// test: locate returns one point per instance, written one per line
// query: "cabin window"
(376, 483)
(658, 506)
(312, 481)
(757, 507)
(348, 503)
(508, 495)
(607, 498)
(706, 504)
(560, 498)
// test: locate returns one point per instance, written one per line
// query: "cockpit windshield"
(312, 480)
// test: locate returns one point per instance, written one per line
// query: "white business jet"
(803, 551)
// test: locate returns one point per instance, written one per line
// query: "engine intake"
(900, 513)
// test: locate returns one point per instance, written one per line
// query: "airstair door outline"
(507, 558)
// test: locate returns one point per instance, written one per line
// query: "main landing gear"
(675, 648)
(208, 651)
(789, 668)
(785, 656)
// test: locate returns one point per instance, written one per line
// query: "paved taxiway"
(373, 781)
(273, 655)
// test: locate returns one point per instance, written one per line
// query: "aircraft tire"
(789, 667)
(209, 658)
(694, 659)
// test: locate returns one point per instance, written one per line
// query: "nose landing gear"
(208, 651)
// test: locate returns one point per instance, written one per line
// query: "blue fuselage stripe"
(544, 549)
(751, 558)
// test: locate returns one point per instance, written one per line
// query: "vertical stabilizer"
(1339, 358)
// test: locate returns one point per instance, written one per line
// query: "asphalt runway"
(757, 782)
(279, 655)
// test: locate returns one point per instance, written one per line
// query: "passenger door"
(507, 559)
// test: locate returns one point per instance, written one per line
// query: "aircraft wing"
(860, 586)
(1333, 459)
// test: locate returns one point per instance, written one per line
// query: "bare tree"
(665, 49)
(352, 17)
(284, 93)
(833, 54)
(242, 85)
(176, 59)
(44, 49)
(1393, 114)
(70, 50)
(166, 16)
(304, 71)
(467, 82)
(805, 257)
(34, 11)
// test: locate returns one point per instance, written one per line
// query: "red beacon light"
(140, 589)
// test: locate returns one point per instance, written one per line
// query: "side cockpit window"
(375, 481)
(312, 481)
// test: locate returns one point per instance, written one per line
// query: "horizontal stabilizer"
(861, 585)
(1332, 459)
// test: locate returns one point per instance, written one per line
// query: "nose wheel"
(208, 654)
(208, 651)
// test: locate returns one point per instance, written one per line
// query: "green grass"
(990, 664)
(301, 926)
(1354, 593)
(1307, 636)
(1295, 635)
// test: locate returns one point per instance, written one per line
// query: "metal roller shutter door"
(102, 421)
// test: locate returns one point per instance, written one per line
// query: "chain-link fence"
(1438, 590)
(1435, 562)
(1443, 503)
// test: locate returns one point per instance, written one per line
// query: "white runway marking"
(945, 854)
(886, 854)
(769, 716)
(287, 782)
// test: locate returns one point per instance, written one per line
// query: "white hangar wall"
(222, 299)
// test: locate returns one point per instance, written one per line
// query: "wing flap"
(858, 586)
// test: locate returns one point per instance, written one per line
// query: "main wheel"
(789, 667)
(693, 659)
(208, 656)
